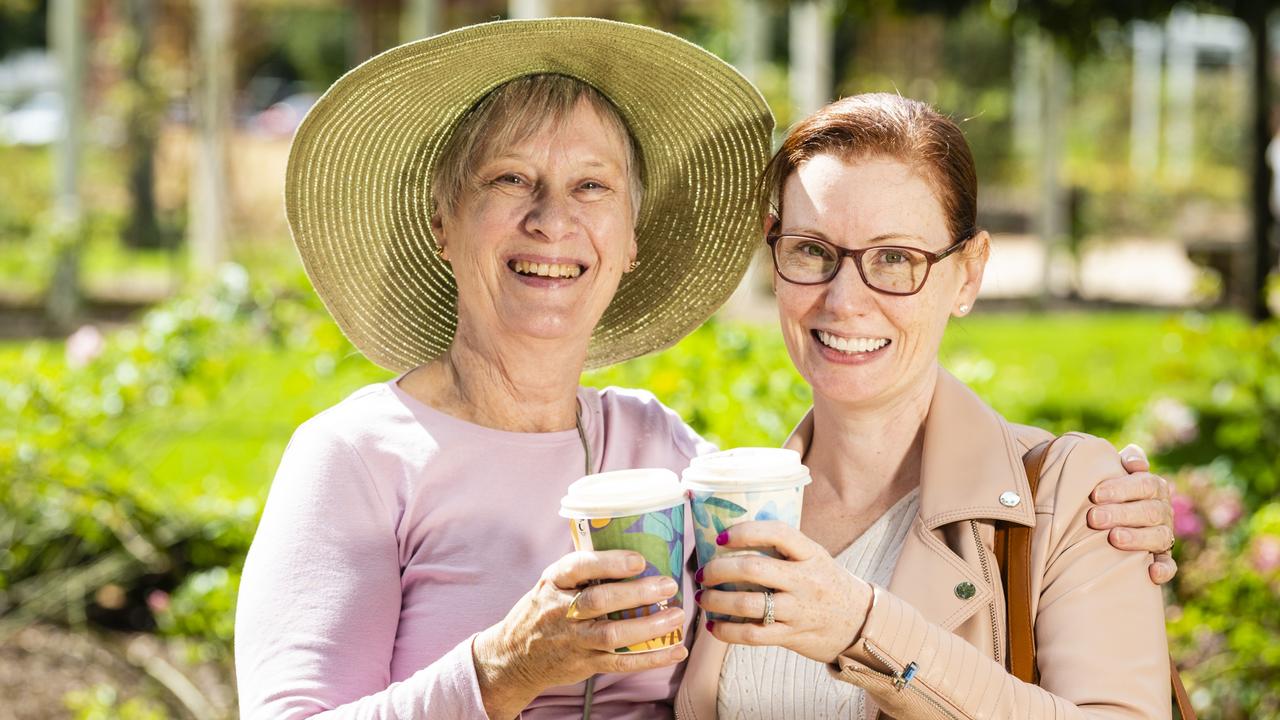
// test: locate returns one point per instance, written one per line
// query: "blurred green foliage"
(103, 702)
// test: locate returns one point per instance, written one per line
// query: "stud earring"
(964, 309)
(634, 264)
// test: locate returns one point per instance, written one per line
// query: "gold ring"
(768, 608)
(573, 613)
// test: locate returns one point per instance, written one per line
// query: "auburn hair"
(891, 126)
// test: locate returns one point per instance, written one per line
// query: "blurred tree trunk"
(664, 14)
(376, 27)
(142, 126)
(210, 216)
(67, 40)
(1254, 15)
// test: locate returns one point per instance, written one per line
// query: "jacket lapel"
(970, 460)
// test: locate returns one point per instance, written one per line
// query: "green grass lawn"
(733, 382)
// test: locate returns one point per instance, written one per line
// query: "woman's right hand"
(537, 646)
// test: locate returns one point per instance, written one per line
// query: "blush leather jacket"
(1099, 620)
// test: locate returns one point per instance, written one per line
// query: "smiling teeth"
(555, 270)
(851, 345)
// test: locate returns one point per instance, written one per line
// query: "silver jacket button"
(965, 590)
(1009, 498)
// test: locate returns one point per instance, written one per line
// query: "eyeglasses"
(890, 269)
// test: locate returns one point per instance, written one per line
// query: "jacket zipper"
(900, 682)
(991, 606)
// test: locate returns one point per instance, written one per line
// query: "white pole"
(753, 38)
(1027, 97)
(209, 223)
(420, 19)
(811, 49)
(1051, 210)
(1180, 132)
(527, 9)
(1144, 119)
(67, 37)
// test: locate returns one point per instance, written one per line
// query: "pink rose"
(1225, 508)
(83, 346)
(158, 601)
(1265, 554)
(1187, 524)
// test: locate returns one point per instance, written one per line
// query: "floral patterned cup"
(640, 510)
(734, 486)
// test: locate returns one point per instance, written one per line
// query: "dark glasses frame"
(841, 253)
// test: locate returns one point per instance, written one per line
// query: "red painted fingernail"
(697, 577)
(697, 597)
(711, 625)
(723, 538)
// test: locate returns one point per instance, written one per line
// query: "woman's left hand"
(818, 606)
(1136, 511)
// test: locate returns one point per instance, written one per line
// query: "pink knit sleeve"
(320, 599)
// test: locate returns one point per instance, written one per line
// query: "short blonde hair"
(510, 114)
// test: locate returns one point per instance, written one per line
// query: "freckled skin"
(849, 203)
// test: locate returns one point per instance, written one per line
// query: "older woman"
(889, 595)
(410, 561)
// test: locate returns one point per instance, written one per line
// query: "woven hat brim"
(358, 184)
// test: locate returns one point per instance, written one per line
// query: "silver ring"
(768, 608)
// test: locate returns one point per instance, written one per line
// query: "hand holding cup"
(537, 645)
(818, 606)
(738, 486)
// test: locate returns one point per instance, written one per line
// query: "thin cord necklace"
(586, 451)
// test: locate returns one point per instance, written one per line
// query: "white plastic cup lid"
(747, 469)
(622, 492)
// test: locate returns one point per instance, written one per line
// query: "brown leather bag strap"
(1013, 552)
(1180, 698)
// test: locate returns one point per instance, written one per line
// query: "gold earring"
(634, 264)
(439, 252)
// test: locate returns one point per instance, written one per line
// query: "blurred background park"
(159, 341)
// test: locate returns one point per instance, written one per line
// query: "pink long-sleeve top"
(393, 533)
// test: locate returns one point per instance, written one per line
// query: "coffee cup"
(741, 485)
(641, 510)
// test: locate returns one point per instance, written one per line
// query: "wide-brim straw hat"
(358, 185)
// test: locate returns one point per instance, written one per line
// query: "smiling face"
(539, 243)
(853, 345)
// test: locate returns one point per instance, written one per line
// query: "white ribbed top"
(773, 682)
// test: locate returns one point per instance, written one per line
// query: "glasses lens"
(804, 260)
(894, 269)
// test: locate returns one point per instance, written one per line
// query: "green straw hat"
(358, 186)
